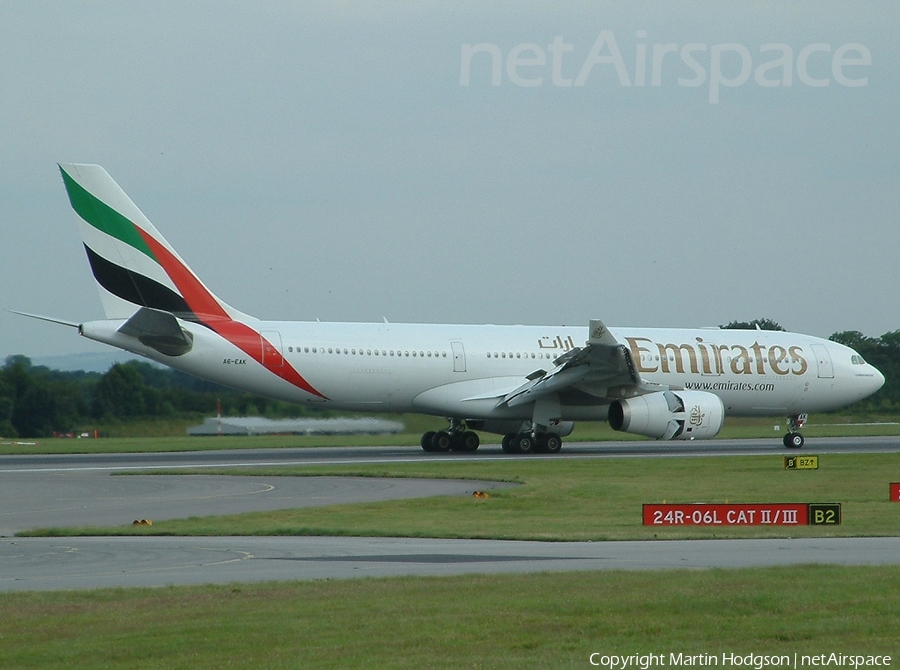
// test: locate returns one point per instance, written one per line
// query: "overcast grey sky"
(340, 160)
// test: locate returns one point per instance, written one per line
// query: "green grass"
(568, 499)
(506, 621)
(548, 620)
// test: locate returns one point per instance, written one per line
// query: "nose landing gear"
(793, 439)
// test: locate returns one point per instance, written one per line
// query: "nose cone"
(877, 380)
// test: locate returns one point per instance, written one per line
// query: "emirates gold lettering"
(803, 365)
(677, 350)
(777, 358)
(759, 354)
(710, 358)
(740, 364)
(704, 357)
(636, 354)
(720, 365)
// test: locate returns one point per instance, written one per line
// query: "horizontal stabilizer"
(51, 319)
(158, 330)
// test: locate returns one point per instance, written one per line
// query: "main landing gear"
(793, 439)
(456, 438)
(527, 443)
(459, 438)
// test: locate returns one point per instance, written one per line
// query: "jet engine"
(669, 415)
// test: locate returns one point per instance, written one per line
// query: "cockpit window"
(856, 359)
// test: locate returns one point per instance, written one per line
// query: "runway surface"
(75, 490)
(74, 563)
(375, 455)
(98, 498)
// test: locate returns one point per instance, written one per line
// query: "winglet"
(599, 334)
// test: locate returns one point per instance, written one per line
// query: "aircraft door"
(823, 362)
(271, 349)
(459, 357)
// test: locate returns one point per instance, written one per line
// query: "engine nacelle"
(669, 415)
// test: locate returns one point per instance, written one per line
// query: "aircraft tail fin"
(133, 265)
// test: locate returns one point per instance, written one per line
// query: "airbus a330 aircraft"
(527, 383)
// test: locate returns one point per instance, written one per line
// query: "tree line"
(36, 401)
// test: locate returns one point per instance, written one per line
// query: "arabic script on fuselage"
(559, 343)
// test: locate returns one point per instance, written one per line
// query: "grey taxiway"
(48, 490)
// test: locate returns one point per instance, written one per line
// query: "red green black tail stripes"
(101, 216)
(201, 302)
(131, 261)
(136, 288)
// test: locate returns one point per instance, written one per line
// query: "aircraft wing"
(602, 368)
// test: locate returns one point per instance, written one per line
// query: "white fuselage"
(528, 383)
(462, 370)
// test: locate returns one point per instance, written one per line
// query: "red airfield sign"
(765, 514)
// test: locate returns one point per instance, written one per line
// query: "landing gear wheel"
(524, 443)
(441, 441)
(426, 441)
(549, 443)
(793, 440)
(468, 441)
(506, 444)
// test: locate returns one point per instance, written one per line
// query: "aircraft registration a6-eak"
(527, 383)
